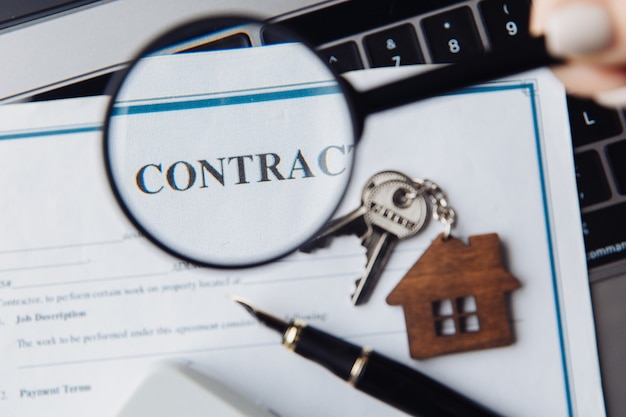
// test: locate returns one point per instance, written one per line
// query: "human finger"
(591, 36)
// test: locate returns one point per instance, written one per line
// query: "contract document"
(88, 305)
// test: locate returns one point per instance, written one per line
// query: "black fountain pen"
(391, 382)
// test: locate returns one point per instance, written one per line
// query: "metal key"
(354, 222)
(396, 210)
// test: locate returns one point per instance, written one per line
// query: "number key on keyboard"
(393, 47)
(506, 21)
(452, 35)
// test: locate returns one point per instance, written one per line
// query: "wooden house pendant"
(455, 297)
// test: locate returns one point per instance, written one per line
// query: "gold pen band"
(292, 334)
(291, 337)
(358, 366)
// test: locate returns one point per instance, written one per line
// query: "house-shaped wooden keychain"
(455, 297)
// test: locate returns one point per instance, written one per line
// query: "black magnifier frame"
(527, 55)
(197, 29)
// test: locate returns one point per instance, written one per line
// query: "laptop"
(352, 35)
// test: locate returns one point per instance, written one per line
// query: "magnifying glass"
(227, 154)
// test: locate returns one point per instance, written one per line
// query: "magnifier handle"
(526, 56)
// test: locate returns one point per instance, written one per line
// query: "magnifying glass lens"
(229, 157)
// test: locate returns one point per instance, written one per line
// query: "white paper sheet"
(87, 305)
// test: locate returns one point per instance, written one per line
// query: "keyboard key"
(452, 36)
(393, 47)
(343, 57)
(616, 153)
(590, 122)
(605, 235)
(506, 21)
(592, 184)
(269, 36)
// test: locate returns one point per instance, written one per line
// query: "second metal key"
(396, 209)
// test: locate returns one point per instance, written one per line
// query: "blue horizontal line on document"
(495, 87)
(225, 100)
(241, 92)
(52, 131)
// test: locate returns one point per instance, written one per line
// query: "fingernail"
(578, 29)
(612, 98)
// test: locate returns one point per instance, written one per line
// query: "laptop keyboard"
(599, 155)
(469, 29)
(450, 35)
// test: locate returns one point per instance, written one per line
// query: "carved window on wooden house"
(455, 315)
